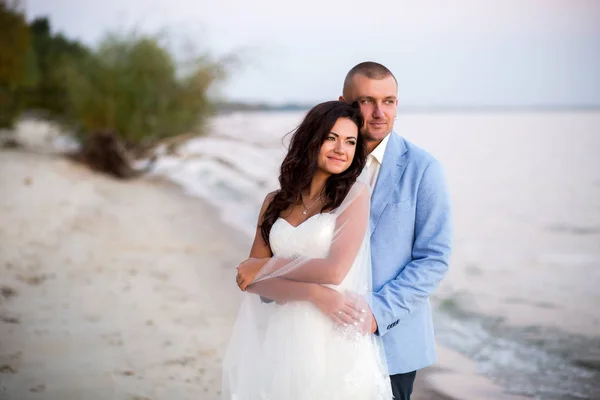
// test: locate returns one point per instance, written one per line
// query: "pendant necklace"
(308, 208)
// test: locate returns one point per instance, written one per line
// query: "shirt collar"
(379, 151)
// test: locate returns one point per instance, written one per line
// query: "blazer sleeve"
(397, 299)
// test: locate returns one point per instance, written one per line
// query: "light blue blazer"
(411, 238)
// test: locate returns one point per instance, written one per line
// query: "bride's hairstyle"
(300, 163)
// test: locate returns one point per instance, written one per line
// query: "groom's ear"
(341, 98)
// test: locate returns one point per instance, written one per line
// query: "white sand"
(121, 289)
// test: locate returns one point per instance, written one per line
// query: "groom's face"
(378, 102)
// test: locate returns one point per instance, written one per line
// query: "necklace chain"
(308, 208)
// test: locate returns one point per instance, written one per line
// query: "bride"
(301, 333)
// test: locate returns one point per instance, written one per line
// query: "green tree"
(17, 62)
(52, 52)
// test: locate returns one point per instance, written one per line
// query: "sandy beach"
(124, 290)
(109, 289)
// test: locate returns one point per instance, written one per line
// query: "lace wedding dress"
(301, 354)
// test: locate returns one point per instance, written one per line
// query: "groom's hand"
(373, 323)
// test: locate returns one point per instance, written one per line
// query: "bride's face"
(337, 151)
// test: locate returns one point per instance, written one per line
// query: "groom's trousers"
(402, 385)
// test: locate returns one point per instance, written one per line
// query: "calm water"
(522, 297)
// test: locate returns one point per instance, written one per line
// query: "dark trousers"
(402, 385)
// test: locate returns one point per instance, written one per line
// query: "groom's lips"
(378, 123)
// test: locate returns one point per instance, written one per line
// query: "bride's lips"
(336, 159)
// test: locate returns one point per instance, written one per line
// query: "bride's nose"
(339, 148)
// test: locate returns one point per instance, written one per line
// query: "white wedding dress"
(304, 355)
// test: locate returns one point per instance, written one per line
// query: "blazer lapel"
(394, 164)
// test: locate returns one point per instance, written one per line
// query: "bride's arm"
(260, 248)
(328, 300)
(284, 290)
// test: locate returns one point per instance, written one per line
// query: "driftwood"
(10, 143)
(171, 144)
(105, 152)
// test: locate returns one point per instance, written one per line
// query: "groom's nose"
(377, 111)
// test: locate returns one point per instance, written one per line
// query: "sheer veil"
(346, 268)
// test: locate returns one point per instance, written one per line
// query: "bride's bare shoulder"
(268, 199)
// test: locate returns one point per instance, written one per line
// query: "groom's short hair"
(370, 69)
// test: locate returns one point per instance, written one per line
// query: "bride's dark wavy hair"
(300, 163)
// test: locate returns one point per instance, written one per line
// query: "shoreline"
(98, 274)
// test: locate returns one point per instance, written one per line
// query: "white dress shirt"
(374, 161)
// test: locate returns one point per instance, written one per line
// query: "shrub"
(131, 85)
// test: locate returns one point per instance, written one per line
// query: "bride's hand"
(248, 270)
(336, 306)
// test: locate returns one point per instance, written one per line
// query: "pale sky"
(463, 52)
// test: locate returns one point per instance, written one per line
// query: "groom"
(410, 225)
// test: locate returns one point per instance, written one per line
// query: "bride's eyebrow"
(336, 135)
